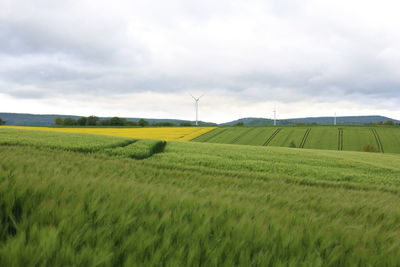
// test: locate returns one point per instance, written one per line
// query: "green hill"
(348, 120)
(351, 138)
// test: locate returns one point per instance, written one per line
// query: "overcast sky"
(144, 58)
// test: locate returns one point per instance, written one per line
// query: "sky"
(144, 58)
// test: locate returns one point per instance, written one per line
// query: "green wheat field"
(235, 196)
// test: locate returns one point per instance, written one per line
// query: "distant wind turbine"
(196, 106)
(274, 116)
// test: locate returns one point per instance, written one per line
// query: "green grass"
(198, 204)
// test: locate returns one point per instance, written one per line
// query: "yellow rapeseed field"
(162, 133)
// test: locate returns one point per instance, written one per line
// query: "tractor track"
(215, 135)
(242, 134)
(266, 143)
(305, 137)
(340, 139)
(378, 140)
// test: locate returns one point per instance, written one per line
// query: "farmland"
(164, 133)
(191, 203)
(349, 138)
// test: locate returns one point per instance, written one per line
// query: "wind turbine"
(274, 116)
(196, 106)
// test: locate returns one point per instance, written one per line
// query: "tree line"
(114, 121)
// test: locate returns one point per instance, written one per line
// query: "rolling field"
(193, 204)
(355, 138)
(287, 135)
(390, 139)
(349, 138)
(323, 138)
(162, 133)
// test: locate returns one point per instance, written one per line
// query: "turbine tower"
(274, 116)
(196, 106)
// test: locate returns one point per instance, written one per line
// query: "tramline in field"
(349, 138)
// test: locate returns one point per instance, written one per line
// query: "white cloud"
(304, 56)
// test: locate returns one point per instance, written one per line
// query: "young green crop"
(65, 141)
(323, 138)
(390, 138)
(140, 149)
(356, 138)
(288, 135)
(199, 204)
(350, 138)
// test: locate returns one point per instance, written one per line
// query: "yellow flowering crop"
(161, 133)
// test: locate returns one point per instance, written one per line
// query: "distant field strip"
(161, 133)
(348, 138)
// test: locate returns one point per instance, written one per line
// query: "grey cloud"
(280, 55)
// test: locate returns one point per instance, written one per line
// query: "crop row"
(331, 138)
(199, 204)
(114, 146)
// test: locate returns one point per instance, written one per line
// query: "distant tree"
(105, 122)
(300, 124)
(58, 121)
(116, 121)
(185, 124)
(143, 122)
(239, 124)
(389, 122)
(69, 121)
(131, 123)
(314, 124)
(92, 120)
(82, 121)
(163, 124)
(292, 144)
(370, 148)
(2, 122)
